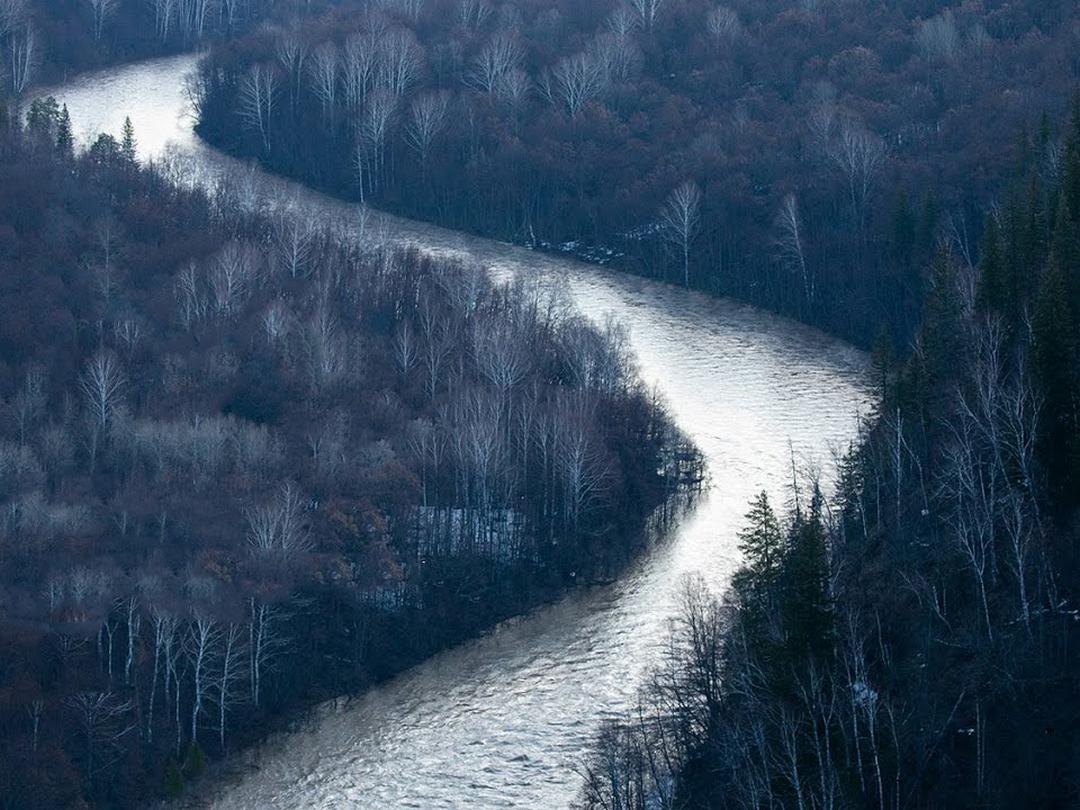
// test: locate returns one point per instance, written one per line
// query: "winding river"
(503, 721)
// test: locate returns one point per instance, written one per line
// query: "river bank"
(500, 721)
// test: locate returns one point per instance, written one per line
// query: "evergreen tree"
(128, 142)
(904, 227)
(941, 336)
(806, 606)
(761, 544)
(993, 293)
(1055, 372)
(65, 140)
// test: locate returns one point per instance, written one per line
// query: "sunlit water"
(504, 721)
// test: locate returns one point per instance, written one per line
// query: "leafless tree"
(579, 80)
(13, 14)
(294, 238)
(292, 54)
(938, 38)
(723, 24)
(164, 14)
(405, 349)
(623, 22)
(400, 60)
(427, 119)
(191, 297)
(101, 11)
(500, 55)
(230, 672)
(472, 14)
(23, 57)
(323, 72)
(258, 90)
(372, 132)
(231, 274)
(266, 642)
(647, 11)
(791, 244)
(102, 720)
(680, 220)
(275, 528)
(200, 643)
(859, 155)
(359, 67)
(102, 384)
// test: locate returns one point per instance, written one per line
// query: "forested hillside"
(912, 644)
(246, 465)
(49, 40)
(803, 156)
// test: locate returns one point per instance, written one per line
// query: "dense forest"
(49, 40)
(246, 465)
(912, 643)
(802, 156)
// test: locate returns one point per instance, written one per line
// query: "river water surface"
(503, 721)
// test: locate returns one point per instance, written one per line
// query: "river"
(504, 720)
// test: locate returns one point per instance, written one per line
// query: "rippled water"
(503, 721)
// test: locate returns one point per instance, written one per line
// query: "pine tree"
(993, 293)
(904, 225)
(65, 141)
(128, 142)
(761, 543)
(1055, 372)
(806, 606)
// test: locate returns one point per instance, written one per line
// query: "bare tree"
(359, 67)
(231, 275)
(102, 384)
(12, 15)
(938, 38)
(680, 219)
(647, 11)
(723, 24)
(102, 721)
(275, 529)
(372, 132)
(292, 53)
(791, 244)
(399, 60)
(258, 90)
(231, 659)
(266, 642)
(859, 155)
(427, 119)
(101, 11)
(294, 242)
(497, 58)
(472, 14)
(23, 59)
(323, 71)
(200, 644)
(579, 80)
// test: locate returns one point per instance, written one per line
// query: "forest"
(247, 464)
(911, 643)
(801, 156)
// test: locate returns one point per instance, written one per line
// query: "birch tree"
(258, 91)
(680, 220)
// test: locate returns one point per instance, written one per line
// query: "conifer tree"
(65, 140)
(128, 142)
(761, 543)
(1055, 371)
(993, 293)
(806, 606)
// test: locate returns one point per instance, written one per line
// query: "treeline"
(49, 40)
(807, 157)
(246, 464)
(912, 643)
